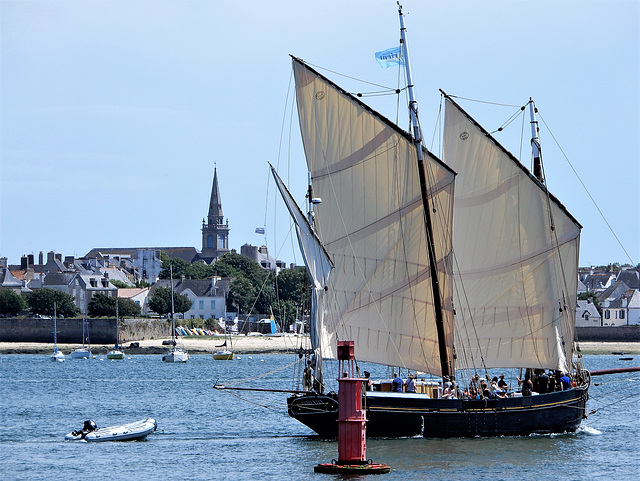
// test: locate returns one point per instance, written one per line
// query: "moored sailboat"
(57, 355)
(116, 352)
(431, 278)
(226, 353)
(175, 353)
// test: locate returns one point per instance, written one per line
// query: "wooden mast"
(445, 362)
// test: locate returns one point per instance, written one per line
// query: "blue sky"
(114, 113)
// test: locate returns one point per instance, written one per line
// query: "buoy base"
(336, 468)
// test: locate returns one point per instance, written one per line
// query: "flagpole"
(445, 363)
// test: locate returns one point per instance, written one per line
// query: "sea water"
(241, 435)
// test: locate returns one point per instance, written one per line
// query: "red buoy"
(352, 420)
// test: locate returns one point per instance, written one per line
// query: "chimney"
(50, 256)
(24, 263)
(41, 258)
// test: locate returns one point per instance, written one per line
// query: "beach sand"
(252, 344)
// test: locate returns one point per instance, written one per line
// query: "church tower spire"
(215, 231)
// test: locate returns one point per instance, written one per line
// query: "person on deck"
(368, 383)
(502, 384)
(565, 381)
(527, 385)
(541, 384)
(396, 384)
(410, 385)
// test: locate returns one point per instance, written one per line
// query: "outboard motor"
(89, 426)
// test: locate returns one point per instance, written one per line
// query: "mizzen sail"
(516, 255)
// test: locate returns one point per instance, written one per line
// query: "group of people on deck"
(479, 388)
(535, 381)
(398, 383)
(542, 383)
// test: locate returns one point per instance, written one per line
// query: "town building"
(587, 314)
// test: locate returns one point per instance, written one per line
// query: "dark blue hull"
(401, 414)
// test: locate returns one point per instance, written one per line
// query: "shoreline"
(193, 345)
(249, 345)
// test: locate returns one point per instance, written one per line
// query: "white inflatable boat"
(90, 432)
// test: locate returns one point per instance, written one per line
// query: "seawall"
(609, 334)
(101, 330)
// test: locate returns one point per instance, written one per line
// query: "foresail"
(516, 276)
(371, 222)
(315, 257)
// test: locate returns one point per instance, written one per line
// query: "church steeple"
(215, 205)
(215, 231)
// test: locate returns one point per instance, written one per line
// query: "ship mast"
(445, 362)
(535, 143)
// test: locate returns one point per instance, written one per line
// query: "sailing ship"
(175, 353)
(447, 281)
(116, 352)
(57, 355)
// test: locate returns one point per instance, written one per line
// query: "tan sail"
(516, 300)
(371, 223)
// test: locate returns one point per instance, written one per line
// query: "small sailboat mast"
(55, 328)
(173, 322)
(446, 364)
(57, 355)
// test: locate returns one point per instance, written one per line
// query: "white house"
(623, 310)
(587, 315)
(208, 296)
(137, 295)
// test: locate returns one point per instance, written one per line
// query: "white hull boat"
(176, 355)
(57, 356)
(127, 432)
(115, 354)
(80, 354)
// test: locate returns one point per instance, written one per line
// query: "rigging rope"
(588, 193)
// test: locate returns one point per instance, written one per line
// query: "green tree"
(200, 270)
(160, 301)
(11, 302)
(119, 284)
(103, 305)
(291, 285)
(241, 294)
(43, 300)
(179, 266)
(262, 295)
